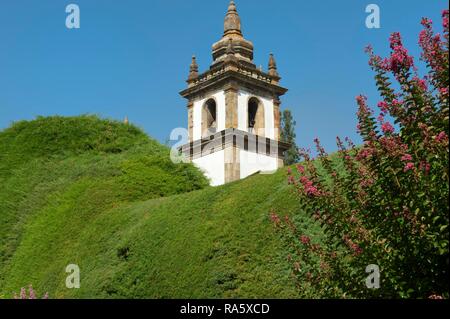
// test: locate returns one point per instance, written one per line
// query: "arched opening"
(256, 117)
(209, 118)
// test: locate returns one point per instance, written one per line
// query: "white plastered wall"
(213, 166)
(251, 163)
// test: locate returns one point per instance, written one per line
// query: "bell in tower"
(234, 110)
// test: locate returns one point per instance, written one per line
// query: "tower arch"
(256, 116)
(209, 117)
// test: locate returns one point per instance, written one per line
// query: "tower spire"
(242, 48)
(232, 25)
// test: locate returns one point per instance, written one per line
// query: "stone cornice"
(234, 138)
(233, 71)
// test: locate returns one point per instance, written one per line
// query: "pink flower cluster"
(31, 294)
(421, 83)
(445, 19)
(365, 153)
(406, 158)
(408, 167)
(393, 145)
(300, 169)
(363, 110)
(353, 246)
(387, 128)
(399, 59)
(309, 187)
(432, 45)
(384, 107)
(366, 182)
(275, 219)
(442, 138)
(444, 92)
(305, 240)
(320, 150)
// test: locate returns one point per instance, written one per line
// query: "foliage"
(288, 135)
(110, 161)
(137, 225)
(47, 137)
(387, 202)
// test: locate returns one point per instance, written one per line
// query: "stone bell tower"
(234, 110)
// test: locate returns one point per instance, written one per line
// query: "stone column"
(277, 118)
(231, 106)
(191, 120)
(232, 164)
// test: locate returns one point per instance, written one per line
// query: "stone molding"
(234, 138)
(233, 71)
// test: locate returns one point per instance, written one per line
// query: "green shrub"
(385, 203)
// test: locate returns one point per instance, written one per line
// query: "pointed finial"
(193, 69)
(232, 23)
(272, 66)
(232, 6)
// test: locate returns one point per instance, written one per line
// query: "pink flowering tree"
(384, 202)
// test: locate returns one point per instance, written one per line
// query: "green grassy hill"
(103, 195)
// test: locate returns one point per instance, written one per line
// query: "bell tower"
(234, 110)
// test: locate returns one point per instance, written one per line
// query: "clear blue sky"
(132, 57)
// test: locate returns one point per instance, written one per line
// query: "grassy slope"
(126, 215)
